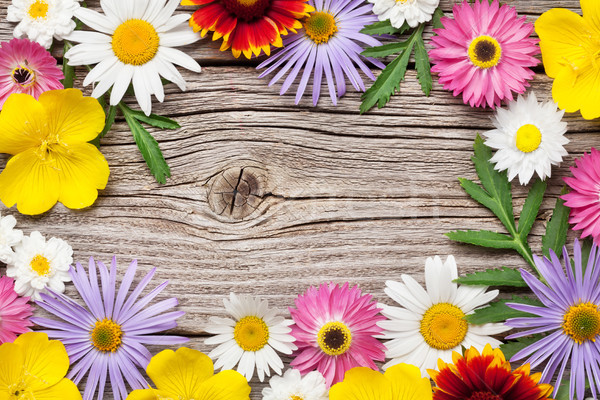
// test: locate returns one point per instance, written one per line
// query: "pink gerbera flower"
(334, 330)
(484, 53)
(26, 67)
(14, 311)
(584, 198)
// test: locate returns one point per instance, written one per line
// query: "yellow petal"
(362, 383)
(74, 118)
(82, 169)
(30, 183)
(181, 372)
(46, 361)
(21, 124)
(11, 365)
(591, 13)
(407, 383)
(226, 385)
(565, 40)
(64, 390)
(581, 91)
(151, 394)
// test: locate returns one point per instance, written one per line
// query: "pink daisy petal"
(14, 312)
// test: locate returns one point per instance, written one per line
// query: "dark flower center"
(23, 76)
(485, 51)
(334, 338)
(484, 396)
(247, 9)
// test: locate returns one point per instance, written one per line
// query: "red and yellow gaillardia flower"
(486, 376)
(248, 26)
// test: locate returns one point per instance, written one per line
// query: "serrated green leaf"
(423, 66)
(483, 238)
(436, 18)
(384, 28)
(498, 311)
(502, 276)
(156, 120)
(556, 230)
(385, 50)
(513, 347)
(149, 148)
(531, 207)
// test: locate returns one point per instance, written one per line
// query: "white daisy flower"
(9, 238)
(529, 137)
(293, 386)
(430, 324)
(38, 265)
(133, 44)
(41, 20)
(414, 12)
(250, 338)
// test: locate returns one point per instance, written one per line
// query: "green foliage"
(436, 18)
(514, 346)
(68, 70)
(423, 66)
(498, 311)
(503, 276)
(556, 230)
(384, 28)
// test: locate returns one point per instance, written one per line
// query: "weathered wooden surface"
(324, 195)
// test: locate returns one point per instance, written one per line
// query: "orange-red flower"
(248, 26)
(486, 376)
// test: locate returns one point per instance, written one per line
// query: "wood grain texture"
(322, 193)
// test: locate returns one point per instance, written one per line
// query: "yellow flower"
(400, 382)
(52, 159)
(188, 374)
(34, 367)
(570, 47)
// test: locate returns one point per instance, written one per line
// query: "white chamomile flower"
(38, 265)
(430, 323)
(250, 338)
(41, 20)
(529, 137)
(293, 386)
(134, 43)
(414, 12)
(9, 238)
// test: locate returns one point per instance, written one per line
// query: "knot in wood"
(236, 192)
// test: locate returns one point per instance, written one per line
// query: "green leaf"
(503, 276)
(498, 311)
(483, 238)
(389, 80)
(385, 50)
(384, 28)
(423, 66)
(531, 207)
(436, 18)
(110, 119)
(156, 120)
(586, 249)
(68, 70)
(513, 347)
(148, 147)
(556, 230)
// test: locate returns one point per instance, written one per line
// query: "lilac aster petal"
(129, 303)
(127, 315)
(124, 288)
(308, 68)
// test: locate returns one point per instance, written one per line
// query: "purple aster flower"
(329, 41)
(107, 338)
(570, 318)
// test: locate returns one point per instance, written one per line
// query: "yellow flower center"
(443, 326)
(20, 391)
(529, 138)
(582, 322)
(38, 9)
(485, 52)
(247, 3)
(23, 76)
(334, 338)
(40, 265)
(296, 397)
(106, 335)
(135, 42)
(320, 27)
(405, 1)
(251, 333)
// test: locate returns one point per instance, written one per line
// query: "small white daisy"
(414, 12)
(293, 386)
(134, 43)
(250, 338)
(38, 265)
(529, 137)
(41, 20)
(9, 238)
(430, 324)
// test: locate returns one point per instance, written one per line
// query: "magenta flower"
(584, 198)
(26, 67)
(485, 53)
(14, 311)
(335, 329)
